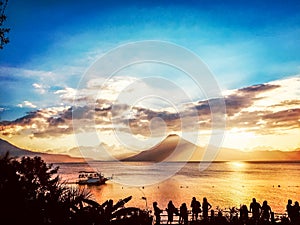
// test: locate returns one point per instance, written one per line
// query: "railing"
(275, 217)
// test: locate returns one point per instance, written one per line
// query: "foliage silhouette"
(31, 192)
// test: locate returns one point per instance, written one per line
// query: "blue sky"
(251, 47)
(246, 42)
(53, 42)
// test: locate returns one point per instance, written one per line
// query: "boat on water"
(91, 178)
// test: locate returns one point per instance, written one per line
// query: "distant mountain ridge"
(175, 148)
(15, 151)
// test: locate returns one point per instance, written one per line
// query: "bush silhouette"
(31, 193)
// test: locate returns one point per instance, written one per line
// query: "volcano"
(172, 148)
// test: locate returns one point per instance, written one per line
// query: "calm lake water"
(225, 184)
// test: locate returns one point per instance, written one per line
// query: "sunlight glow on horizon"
(253, 56)
(237, 164)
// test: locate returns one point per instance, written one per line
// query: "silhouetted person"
(255, 209)
(205, 207)
(220, 219)
(244, 214)
(157, 212)
(183, 214)
(195, 208)
(265, 211)
(170, 210)
(289, 209)
(295, 214)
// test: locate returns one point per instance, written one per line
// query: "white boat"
(91, 178)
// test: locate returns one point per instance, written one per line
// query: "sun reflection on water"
(237, 164)
(224, 184)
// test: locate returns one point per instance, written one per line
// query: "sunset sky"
(251, 48)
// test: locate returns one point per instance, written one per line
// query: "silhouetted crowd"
(261, 214)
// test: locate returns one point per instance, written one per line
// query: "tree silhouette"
(3, 31)
(31, 193)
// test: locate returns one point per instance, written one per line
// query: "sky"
(251, 48)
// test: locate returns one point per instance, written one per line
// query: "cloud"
(294, 102)
(27, 104)
(263, 109)
(40, 123)
(41, 89)
(96, 89)
(286, 119)
(245, 97)
(21, 72)
(67, 94)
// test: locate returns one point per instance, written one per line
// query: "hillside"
(19, 152)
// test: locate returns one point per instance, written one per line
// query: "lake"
(225, 184)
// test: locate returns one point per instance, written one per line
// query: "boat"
(91, 178)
